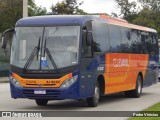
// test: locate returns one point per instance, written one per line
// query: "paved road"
(116, 102)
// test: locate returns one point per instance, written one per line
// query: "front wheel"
(93, 101)
(136, 93)
(41, 102)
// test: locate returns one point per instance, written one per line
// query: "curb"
(4, 79)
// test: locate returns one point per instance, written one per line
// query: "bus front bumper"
(49, 93)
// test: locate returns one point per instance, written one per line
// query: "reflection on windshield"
(62, 44)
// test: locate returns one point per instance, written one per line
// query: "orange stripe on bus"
(45, 83)
(124, 23)
(121, 71)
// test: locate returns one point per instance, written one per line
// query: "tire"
(93, 101)
(136, 93)
(41, 102)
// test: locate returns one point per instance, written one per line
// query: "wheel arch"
(141, 75)
(101, 82)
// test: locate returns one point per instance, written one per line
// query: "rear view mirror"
(7, 37)
(4, 43)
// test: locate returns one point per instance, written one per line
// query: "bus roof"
(55, 19)
(49, 20)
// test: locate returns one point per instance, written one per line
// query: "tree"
(34, 10)
(127, 10)
(67, 7)
(148, 15)
(153, 5)
(11, 12)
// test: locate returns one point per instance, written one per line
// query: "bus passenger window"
(154, 44)
(100, 37)
(145, 42)
(115, 38)
(126, 40)
(137, 45)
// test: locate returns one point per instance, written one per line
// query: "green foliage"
(153, 5)
(10, 12)
(67, 7)
(34, 10)
(148, 18)
(127, 10)
(149, 14)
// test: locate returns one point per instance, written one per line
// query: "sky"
(89, 6)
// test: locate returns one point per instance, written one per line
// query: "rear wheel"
(93, 101)
(41, 102)
(136, 93)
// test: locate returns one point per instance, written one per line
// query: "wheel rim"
(139, 86)
(97, 94)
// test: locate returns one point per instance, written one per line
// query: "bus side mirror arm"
(4, 42)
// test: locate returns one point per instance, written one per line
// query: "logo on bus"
(118, 62)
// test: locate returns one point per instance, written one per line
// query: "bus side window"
(145, 42)
(154, 44)
(126, 40)
(100, 38)
(134, 39)
(115, 38)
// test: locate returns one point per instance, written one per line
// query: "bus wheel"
(93, 101)
(41, 102)
(136, 93)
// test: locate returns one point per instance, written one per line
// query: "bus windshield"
(40, 47)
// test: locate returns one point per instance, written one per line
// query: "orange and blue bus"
(80, 57)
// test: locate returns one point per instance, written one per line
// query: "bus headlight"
(69, 82)
(16, 82)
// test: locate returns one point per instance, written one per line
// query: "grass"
(155, 107)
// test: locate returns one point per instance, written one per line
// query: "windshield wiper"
(50, 56)
(38, 47)
(32, 56)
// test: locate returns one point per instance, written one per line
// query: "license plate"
(42, 92)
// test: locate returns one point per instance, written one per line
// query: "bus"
(80, 57)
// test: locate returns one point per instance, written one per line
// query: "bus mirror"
(4, 43)
(7, 37)
(89, 39)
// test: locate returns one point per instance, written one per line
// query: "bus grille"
(43, 85)
(50, 94)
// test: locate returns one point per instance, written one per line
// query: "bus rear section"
(81, 57)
